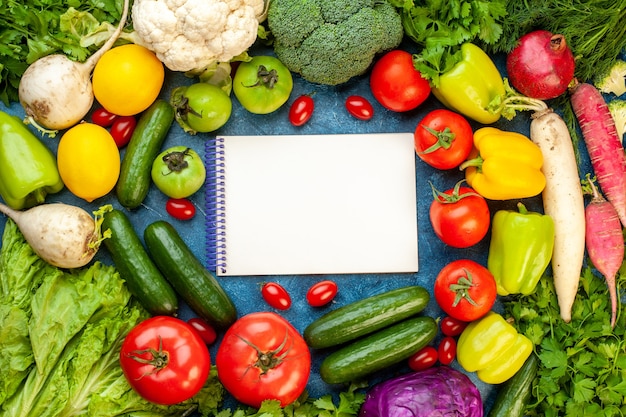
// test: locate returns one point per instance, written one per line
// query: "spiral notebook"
(312, 204)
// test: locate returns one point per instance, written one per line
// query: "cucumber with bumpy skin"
(143, 278)
(365, 316)
(378, 350)
(195, 284)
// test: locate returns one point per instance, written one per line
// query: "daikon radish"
(63, 235)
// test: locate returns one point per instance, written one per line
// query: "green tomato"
(201, 107)
(263, 84)
(178, 172)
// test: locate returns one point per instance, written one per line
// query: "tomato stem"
(265, 78)
(159, 358)
(444, 139)
(453, 197)
(269, 359)
(462, 287)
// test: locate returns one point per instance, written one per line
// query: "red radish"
(605, 242)
(541, 66)
(603, 144)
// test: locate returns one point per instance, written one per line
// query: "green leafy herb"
(439, 27)
(582, 364)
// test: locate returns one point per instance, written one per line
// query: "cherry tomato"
(443, 139)
(180, 208)
(122, 130)
(396, 84)
(204, 329)
(452, 327)
(165, 360)
(301, 110)
(465, 290)
(359, 107)
(460, 217)
(103, 117)
(262, 356)
(321, 293)
(276, 296)
(446, 350)
(423, 359)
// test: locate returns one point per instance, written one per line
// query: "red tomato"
(165, 360)
(321, 293)
(460, 217)
(262, 356)
(180, 208)
(103, 117)
(122, 130)
(446, 350)
(452, 327)
(423, 359)
(276, 296)
(204, 329)
(396, 84)
(359, 107)
(443, 139)
(465, 290)
(301, 110)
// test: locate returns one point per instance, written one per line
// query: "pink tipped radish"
(63, 235)
(56, 92)
(603, 144)
(605, 242)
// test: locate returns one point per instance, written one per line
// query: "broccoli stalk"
(615, 81)
(331, 41)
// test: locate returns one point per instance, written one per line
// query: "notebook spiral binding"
(215, 201)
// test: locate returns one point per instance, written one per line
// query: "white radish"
(563, 201)
(63, 235)
(56, 92)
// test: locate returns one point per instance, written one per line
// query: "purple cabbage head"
(435, 392)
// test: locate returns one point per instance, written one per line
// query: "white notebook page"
(319, 204)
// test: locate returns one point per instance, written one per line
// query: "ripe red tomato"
(423, 358)
(359, 107)
(321, 293)
(443, 139)
(460, 217)
(122, 130)
(103, 117)
(165, 360)
(276, 296)
(452, 327)
(262, 356)
(180, 208)
(446, 350)
(301, 110)
(396, 84)
(204, 329)
(465, 290)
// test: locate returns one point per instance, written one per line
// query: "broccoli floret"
(615, 81)
(331, 41)
(618, 111)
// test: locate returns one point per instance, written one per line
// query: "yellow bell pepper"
(492, 347)
(504, 165)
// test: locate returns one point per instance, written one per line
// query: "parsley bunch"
(582, 364)
(30, 29)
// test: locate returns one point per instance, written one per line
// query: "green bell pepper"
(472, 86)
(28, 169)
(520, 249)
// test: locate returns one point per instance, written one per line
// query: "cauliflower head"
(190, 35)
(615, 81)
(331, 41)
(617, 108)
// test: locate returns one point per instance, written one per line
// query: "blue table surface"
(330, 116)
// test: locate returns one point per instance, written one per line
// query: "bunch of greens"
(582, 364)
(30, 29)
(440, 27)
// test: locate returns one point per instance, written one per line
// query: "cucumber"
(365, 316)
(143, 278)
(145, 144)
(514, 395)
(191, 280)
(378, 350)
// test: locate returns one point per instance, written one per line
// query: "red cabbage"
(435, 392)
